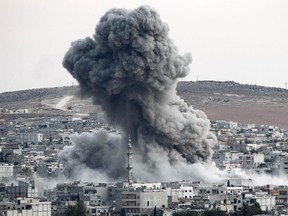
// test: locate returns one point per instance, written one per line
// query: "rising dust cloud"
(131, 68)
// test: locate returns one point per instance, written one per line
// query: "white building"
(139, 202)
(250, 160)
(30, 138)
(234, 190)
(98, 210)
(6, 170)
(246, 126)
(266, 202)
(255, 147)
(149, 185)
(27, 207)
(183, 192)
(226, 124)
(19, 111)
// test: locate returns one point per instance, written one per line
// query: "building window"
(147, 203)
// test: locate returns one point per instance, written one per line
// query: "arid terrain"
(237, 102)
(219, 100)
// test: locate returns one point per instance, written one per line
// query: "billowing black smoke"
(130, 67)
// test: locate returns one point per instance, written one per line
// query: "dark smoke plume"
(130, 67)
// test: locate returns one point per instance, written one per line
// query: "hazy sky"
(241, 40)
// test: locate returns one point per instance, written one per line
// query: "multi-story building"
(282, 161)
(30, 138)
(22, 190)
(267, 202)
(26, 207)
(140, 201)
(282, 195)
(6, 170)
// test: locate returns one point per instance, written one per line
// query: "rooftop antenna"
(129, 167)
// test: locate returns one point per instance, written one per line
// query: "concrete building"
(222, 124)
(282, 161)
(22, 190)
(245, 126)
(266, 201)
(26, 207)
(178, 192)
(282, 195)
(6, 170)
(30, 138)
(139, 202)
(250, 160)
(98, 210)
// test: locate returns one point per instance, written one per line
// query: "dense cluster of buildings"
(29, 150)
(261, 149)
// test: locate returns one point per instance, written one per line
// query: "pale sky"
(245, 41)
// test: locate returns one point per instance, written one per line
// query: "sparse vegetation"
(77, 210)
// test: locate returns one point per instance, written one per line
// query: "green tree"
(247, 210)
(71, 211)
(256, 209)
(81, 208)
(122, 212)
(214, 212)
(78, 210)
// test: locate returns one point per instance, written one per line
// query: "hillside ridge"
(44, 93)
(219, 100)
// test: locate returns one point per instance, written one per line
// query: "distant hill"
(238, 102)
(34, 95)
(219, 100)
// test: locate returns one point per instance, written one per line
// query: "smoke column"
(130, 67)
